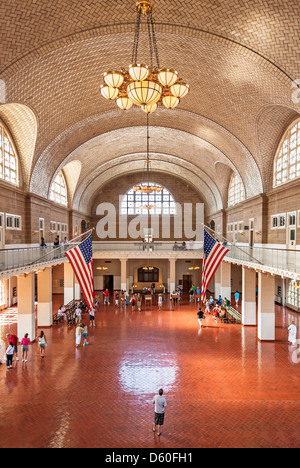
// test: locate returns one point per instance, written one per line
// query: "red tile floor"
(223, 387)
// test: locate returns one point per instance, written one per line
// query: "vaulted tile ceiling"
(240, 59)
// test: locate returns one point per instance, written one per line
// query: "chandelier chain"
(136, 38)
(150, 41)
(154, 41)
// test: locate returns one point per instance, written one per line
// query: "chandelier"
(146, 86)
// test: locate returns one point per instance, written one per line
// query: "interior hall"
(142, 136)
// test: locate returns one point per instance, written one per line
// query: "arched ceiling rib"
(265, 27)
(85, 202)
(208, 143)
(238, 59)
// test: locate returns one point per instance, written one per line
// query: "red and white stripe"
(210, 266)
(84, 274)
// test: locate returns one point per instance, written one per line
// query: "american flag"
(213, 254)
(81, 259)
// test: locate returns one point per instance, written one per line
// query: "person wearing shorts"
(92, 317)
(25, 347)
(159, 416)
(42, 344)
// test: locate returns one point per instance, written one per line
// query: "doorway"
(108, 282)
(187, 283)
(2, 232)
(291, 231)
(251, 233)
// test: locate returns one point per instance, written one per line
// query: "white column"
(266, 307)
(249, 297)
(77, 290)
(44, 283)
(68, 283)
(26, 306)
(172, 263)
(226, 280)
(218, 283)
(123, 273)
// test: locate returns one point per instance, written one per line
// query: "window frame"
(56, 196)
(280, 153)
(4, 131)
(163, 202)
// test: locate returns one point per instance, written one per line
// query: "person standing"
(237, 298)
(159, 411)
(78, 335)
(9, 356)
(292, 333)
(42, 344)
(85, 334)
(14, 340)
(92, 318)
(160, 301)
(25, 347)
(106, 296)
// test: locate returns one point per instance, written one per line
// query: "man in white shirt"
(292, 333)
(160, 403)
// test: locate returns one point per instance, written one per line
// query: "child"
(160, 301)
(132, 302)
(85, 335)
(9, 356)
(117, 299)
(42, 344)
(139, 303)
(92, 318)
(25, 347)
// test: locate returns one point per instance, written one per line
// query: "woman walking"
(42, 344)
(25, 347)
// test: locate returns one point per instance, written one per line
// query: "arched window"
(58, 192)
(8, 158)
(160, 202)
(294, 294)
(2, 294)
(287, 160)
(236, 191)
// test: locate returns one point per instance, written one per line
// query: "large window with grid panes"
(287, 160)
(58, 192)
(2, 293)
(236, 191)
(155, 203)
(294, 294)
(8, 158)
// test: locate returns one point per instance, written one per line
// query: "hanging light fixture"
(147, 188)
(146, 86)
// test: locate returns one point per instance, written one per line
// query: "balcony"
(285, 263)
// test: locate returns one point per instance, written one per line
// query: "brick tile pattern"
(222, 386)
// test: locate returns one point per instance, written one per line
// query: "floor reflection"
(147, 373)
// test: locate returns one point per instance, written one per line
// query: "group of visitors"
(12, 350)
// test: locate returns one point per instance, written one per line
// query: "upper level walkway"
(285, 263)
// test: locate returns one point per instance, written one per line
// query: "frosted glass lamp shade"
(167, 77)
(108, 92)
(144, 92)
(124, 102)
(179, 89)
(114, 79)
(170, 102)
(138, 72)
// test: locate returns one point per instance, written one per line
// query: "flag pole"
(228, 241)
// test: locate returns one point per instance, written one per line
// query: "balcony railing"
(278, 259)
